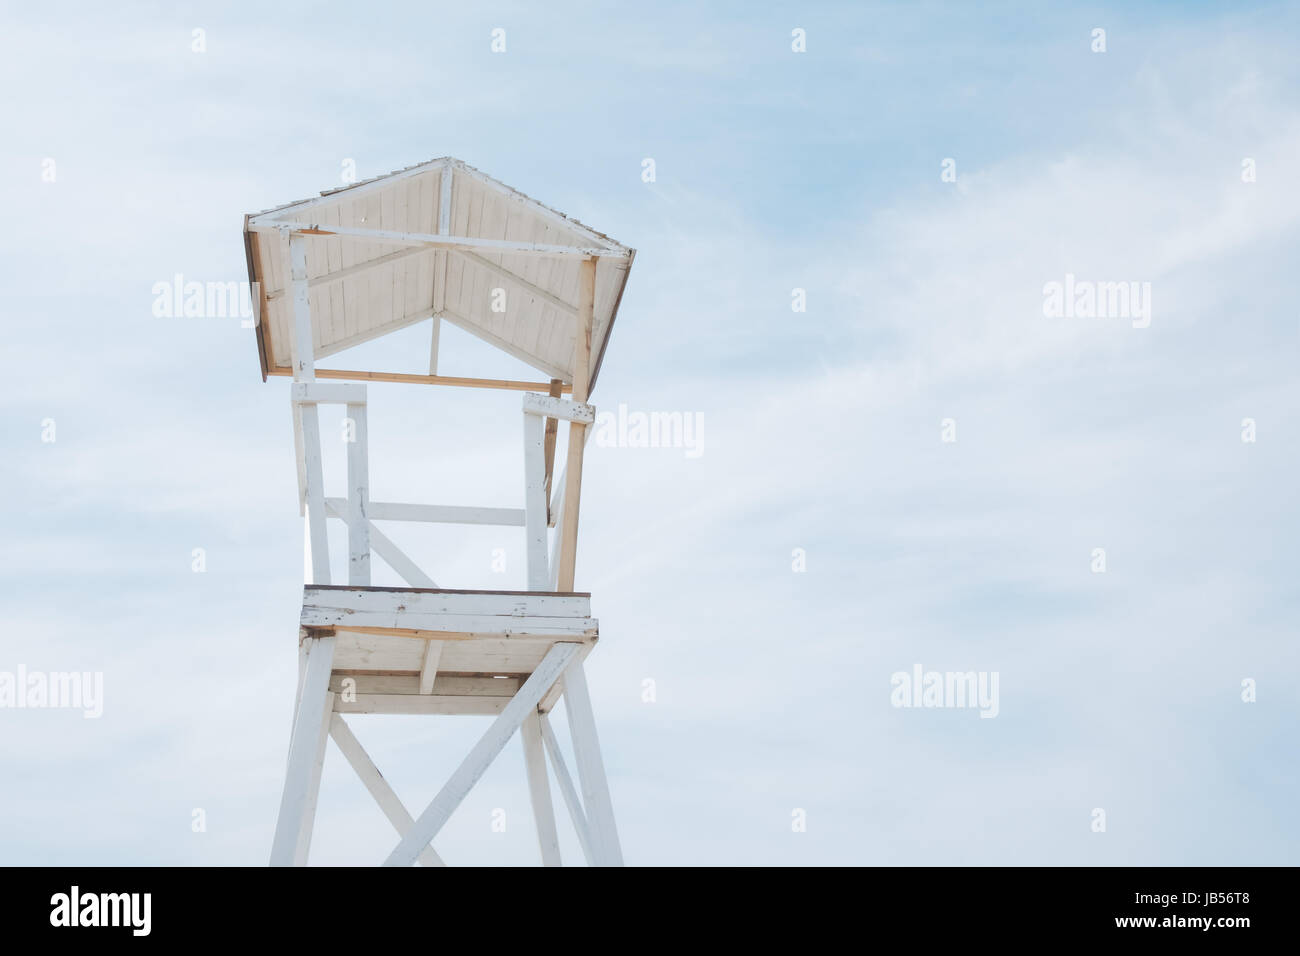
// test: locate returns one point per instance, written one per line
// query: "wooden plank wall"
(394, 295)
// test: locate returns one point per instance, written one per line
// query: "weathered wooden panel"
(362, 288)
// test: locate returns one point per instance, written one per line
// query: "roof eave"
(255, 289)
(613, 314)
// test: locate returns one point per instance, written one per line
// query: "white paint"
(576, 814)
(535, 404)
(304, 749)
(591, 768)
(374, 781)
(358, 497)
(484, 752)
(539, 789)
(535, 502)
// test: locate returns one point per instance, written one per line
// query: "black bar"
(975, 905)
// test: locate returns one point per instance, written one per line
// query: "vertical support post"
(358, 498)
(591, 768)
(304, 646)
(304, 649)
(440, 258)
(304, 746)
(313, 789)
(576, 813)
(557, 516)
(307, 417)
(304, 352)
(315, 471)
(539, 789)
(436, 334)
(577, 430)
(429, 667)
(535, 503)
(552, 428)
(300, 457)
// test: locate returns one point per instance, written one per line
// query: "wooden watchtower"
(437, 242)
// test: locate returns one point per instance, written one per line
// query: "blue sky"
(775, 171)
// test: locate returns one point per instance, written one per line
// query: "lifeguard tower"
(439, 242)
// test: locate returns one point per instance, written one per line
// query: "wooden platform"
(437, 651)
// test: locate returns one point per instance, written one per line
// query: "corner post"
(577, 430)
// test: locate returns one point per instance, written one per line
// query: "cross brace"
(592, 815)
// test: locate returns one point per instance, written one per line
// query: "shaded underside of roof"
(359, 289)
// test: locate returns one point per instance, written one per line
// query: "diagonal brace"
(567, 788)
(379, 788)
(485, 751)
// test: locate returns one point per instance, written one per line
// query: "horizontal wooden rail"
(438, 514)
(549, 407)
(415, 379)
(508, 246)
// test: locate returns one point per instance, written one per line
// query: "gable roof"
(508, 275)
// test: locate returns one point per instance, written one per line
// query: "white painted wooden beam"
(444, 201)
(576, 814)
(577, 431)
(442, 514)
(304, 644)
(535, 502)
(557, 519)
(591, 768)
(378, 331)
(443, 705)
(383, 546)
(303, 749)
(300, 456)
(548, 407)
(447, 514)
(329, 278)
(440, 260)
(477, 330)
(435, 337)
(429, 666)
(313, 791)
(453, 626)
(552, 696)
(304, 358)
(413, 378)
(355, 190)
(557, 507)
(397, 559)
(518, 281)
(358, 497)
(348, 683)
(539, 789)
(308, 433)
(315, 476)
(548, 446)
(532, 205)
(506, 246)
(374, 780)
(484, 752)
(562, 609)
